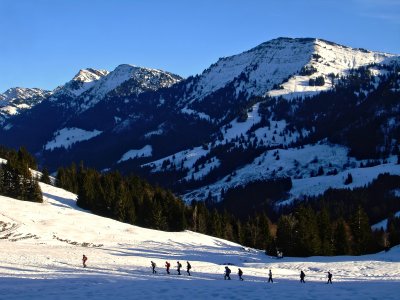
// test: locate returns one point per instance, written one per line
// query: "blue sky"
(44, 43)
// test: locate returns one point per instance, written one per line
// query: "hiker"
(179, 266)
(270, 276)
(329, 278)
(153, 266)
(240, 273)
(227, 273)
(188, 267)
(302, 275)
(84, 259)
(167, 265)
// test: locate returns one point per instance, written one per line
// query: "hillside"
(43, 244)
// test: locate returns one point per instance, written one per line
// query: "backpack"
(180, 265)
(189, 266)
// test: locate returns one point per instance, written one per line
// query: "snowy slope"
(45, 242)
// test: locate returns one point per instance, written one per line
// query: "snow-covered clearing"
(66, 137)
(146, 151)
(42, 246)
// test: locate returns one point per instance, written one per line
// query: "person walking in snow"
(188, 267)
(227, 273)
(302, 275)
(167, 265)
(270, 276)
(179, 266)
(329, 278)
(153, 266)
(84, 259)
(240, 273)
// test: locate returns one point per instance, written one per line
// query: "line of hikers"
(227, 274)
(168, 265)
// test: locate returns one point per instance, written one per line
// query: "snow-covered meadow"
(42, 246)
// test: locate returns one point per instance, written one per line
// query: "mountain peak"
(89, 75)
(17, 99)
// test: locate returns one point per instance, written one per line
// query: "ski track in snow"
(43, 244)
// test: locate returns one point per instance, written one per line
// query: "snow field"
(66, 137)
(47, 264)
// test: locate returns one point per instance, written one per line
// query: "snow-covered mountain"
(89, 90)
(15, 100)
(280, 67)
(293, 108)
(44, 244)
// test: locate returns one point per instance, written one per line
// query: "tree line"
(16, 180)
(301, 229)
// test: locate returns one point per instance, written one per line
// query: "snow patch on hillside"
(361, 177)
(66, 137)
(383, 224)
(186, 158)
(146, 151)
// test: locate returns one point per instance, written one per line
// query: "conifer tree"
(361, 231)
(307, 239)
(285, 234)
(342, 239)
(45, 178)
(325, 232)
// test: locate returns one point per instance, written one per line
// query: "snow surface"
(43, 244)
(66, 137)
(146, 151)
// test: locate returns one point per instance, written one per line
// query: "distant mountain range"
(305, 108)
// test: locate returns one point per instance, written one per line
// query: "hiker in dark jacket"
(178, 266)
(329, 278)
(227, 273)
(302, 275)
(240, 273)
(270, 276)
(153, 266)
(188, 267)
(167, 265)
(84, 259)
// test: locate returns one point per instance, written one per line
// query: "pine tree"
(214, 224)
(342, 239)
(159, 220)
(361, 231)
(285, 234)
(325, 232)
(307, 239)
(34, 193)
(45, 178)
